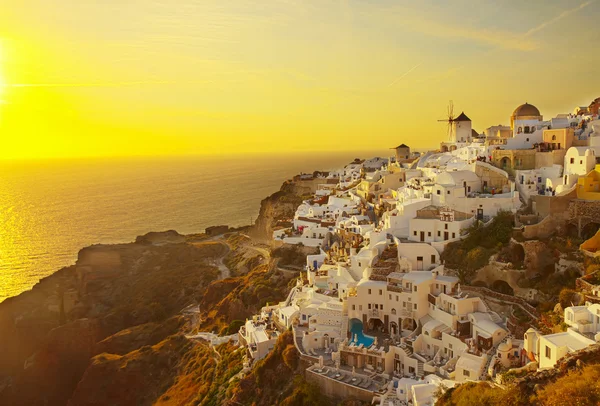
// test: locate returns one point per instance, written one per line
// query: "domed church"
(525, 119)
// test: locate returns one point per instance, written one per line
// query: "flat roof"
(570, 339)
(260, 336)
(470, 362)
(444, 278)
(418, 277)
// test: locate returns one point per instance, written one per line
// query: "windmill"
(450, 119)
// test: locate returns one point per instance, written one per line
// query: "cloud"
(398, 79)
(557, 18)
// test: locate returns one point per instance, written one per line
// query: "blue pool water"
(356, 329)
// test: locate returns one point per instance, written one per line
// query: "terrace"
(359, 378)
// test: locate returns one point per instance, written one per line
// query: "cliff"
(111, 329)
(116, 298)
(280, 207)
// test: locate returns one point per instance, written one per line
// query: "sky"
(83, 78)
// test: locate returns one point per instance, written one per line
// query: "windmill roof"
(402, 146)
(462, 117)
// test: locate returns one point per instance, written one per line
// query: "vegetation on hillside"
(473, 252)
(578, 387)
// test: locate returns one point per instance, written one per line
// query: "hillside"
(114, 320)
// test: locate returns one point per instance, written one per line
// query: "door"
(422, 236)
(479, 214)
(445, 235)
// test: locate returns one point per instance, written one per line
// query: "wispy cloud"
(452, 71)
(399, 78)
(557, 18)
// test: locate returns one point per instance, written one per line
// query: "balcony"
(375, 313)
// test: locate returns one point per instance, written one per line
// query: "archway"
(505, 162)
(453, 148)
(572, 230)
(444, 148)
(375, 325)
(394, 328)
(502, 287)
(589, 230)
(408, 324)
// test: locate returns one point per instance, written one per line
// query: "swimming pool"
(356, 329)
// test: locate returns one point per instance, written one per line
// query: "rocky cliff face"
(280, 206)
(117, 298)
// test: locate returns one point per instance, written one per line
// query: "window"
(433, 259)
(353, 307)
(390, 296)
(420, 259)
(439, 233)
(580, 162)
(572, 160)
(380, 292)
(369, 291)
(445, 226)
(396, 298)
(429, 234)
(360, 308)
(453, 235)
(415, 306)
(527, 140)
(554, 138)
(548, 352)
(449, 345)
(414, 233)
(438, 191)
(414, 288)
(369, 306)
(448, 192)
(381, 307)
(466, 372)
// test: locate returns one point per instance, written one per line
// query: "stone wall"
(548, 205)
(545, 228)
(339, 390)
(585, 209)
(516, 327)
(491, 295)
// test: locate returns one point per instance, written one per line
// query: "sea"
(51, 209)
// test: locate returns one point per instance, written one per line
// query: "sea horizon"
(45, 203)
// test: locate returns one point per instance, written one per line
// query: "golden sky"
(144, 77)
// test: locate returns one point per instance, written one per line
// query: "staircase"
(288, 301)
(420, 371)
(344, 328)
(407, 350)
(496, 318)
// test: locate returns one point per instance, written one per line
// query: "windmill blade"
(451, 110)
